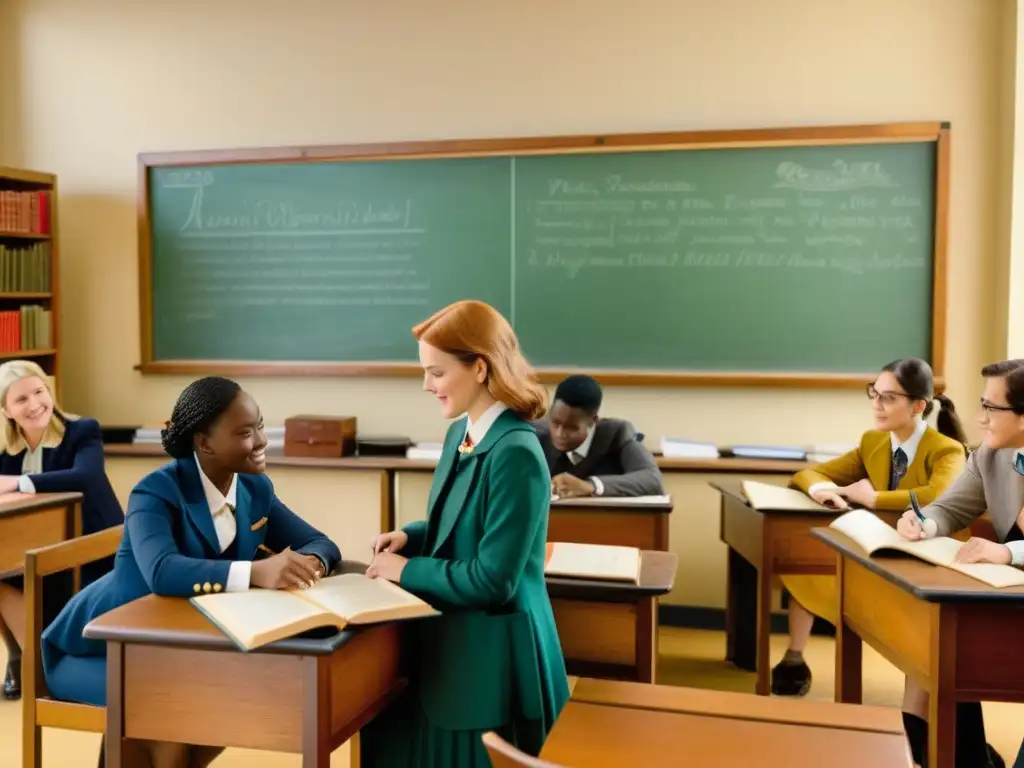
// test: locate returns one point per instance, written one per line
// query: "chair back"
(504, 755)
(37, 709)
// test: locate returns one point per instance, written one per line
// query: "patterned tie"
(899, 468)
(1018, 463)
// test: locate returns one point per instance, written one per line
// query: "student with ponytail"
(901, 454)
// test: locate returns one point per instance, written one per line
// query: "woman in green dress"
(492, 660)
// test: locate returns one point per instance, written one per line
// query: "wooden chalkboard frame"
(937, 132)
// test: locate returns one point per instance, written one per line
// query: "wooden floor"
(688, 657)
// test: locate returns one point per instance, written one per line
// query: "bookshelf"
(29, 287)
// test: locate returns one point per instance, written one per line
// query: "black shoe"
(12, 680)
(791, 678)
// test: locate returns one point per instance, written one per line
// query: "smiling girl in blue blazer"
(43, 450)
(200, 524)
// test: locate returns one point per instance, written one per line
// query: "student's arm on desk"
(841, 471)
(959, 506)
(518, 496)
(947, 465)
(640, 474)
(167, 572)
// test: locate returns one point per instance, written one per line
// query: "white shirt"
(477, 430)
(579, 453)
(909, 447)
(222, 508)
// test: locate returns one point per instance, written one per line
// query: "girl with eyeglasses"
(901, 454)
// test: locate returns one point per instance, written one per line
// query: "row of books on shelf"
(683, 448)
(25, 269)
(28, 328)
(25, 212)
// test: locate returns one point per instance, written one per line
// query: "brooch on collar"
(466, 446)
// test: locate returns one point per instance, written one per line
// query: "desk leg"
(647, 640)
(740, 612)
(764, 631)
(114, 739)
(316, 720)
(849, 651)
(941, 698)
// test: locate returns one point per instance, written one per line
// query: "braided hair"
(199, 405)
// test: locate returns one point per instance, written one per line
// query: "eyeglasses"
(989, 408)
(887, 398)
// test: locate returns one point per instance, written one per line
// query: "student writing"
(993, 481)
(901, 454)
(492, 660)
(592, 456)
(206, 522)
(44, 450)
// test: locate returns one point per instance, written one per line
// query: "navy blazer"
(170, 548)
(76, 465)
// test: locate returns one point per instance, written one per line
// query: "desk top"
(617, 503)
(402, 464)
(744, 706)
(614, 724)
(657, 577)
(925, 581)
(153, 620)
(13, 504)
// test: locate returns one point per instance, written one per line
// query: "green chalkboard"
(650, 261)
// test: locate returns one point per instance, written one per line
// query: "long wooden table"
(610, 629)
(31, 520)
(173, 676)
(763, 545)
(616, 724)
(956, 637)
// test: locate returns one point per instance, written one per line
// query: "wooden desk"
(611, 630)
(615, 724)
(763, 545)
(954, 636)
(173, 676)
(624, 522)
(31, 520)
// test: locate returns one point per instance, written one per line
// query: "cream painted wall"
(96, 81)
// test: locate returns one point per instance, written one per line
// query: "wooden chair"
(38, 710)
(504, 755)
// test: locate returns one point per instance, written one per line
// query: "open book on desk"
(766, 497)
(597, 562)
(875, 535)
(259, 616)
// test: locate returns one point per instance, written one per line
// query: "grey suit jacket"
(988, 482)
(624, 466)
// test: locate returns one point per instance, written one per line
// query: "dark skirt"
(402, 737)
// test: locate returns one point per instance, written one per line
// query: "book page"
(362, 600)
(768, 496)
(593, 561)
(998, 576)
(874, 534)
(253, 615)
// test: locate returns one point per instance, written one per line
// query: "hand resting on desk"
(566, 486)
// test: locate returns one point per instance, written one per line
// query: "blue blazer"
(76, 465)
(170, 548)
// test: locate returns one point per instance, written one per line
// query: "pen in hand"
(917, 508)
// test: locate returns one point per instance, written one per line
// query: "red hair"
(469, 330)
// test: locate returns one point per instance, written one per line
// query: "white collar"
(912, 442)
(214, 497)
(477, 429)
(583, 448)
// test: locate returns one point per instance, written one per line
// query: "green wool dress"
(492, 660)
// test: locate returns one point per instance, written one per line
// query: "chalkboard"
(808, 255)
